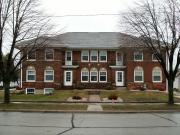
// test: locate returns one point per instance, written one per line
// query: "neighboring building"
(177, 81)
(92, 60)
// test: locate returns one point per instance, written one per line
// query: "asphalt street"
(19, 123)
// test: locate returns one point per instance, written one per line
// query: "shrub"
(113, 96)
(109, 87)
(76, 97)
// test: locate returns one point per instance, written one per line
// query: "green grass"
(140, 107)
(43, 106)
(139, 96)
(60, 95)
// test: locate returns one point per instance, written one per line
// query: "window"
(30, 74)
(49, 74)
(48, 91)
(68, 55)
(49, 54)
(138, 56)
(138, 74)
(31, 56)
(157, 74)
(102, 56)
(154, 57)
(30, 90)
(102, 75)
(94, 75)
(84, 56)
(94, 56)
(84, 75)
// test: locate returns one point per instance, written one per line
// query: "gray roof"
(95, 40)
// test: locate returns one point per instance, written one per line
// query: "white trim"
(70, 83)
(116, 78)
(160, 75)
(84, 55)
(46, 89)
(102, 55)
(47, 74)
(154, 60)
(87, 76)
(139, 52)
(68, 62)
(52, 52)
(28, 74)
(94, 55)
(96, 76)
(120, 64)
(30, 93)
(142, 75)
(100, 76)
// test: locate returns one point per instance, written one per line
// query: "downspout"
(21, 73)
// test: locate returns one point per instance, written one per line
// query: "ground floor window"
(156, 74)
(30, 90)
(84, 75)
(48, 91)
(102, 75)
(94, 75)
(138, 74)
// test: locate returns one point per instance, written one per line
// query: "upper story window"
(154, 57)
(103, 56)
(49, 74)
(94, 56)
(31, 55)
(84, 75)
(94, 75)
(157, 74)
(138, 56)
(49, 54)
(68, 58)
(30, 74)
(102, 75)
(85, 56)
(138, 74)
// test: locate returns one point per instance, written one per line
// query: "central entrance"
(68, 78)
(119, 78)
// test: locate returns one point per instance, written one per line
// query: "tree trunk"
(170, 92)
(6, 92)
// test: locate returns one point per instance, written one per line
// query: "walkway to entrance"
(94, 107)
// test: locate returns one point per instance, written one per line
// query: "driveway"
(17, 123)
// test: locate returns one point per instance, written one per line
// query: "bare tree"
(20, 20)
(158, 23)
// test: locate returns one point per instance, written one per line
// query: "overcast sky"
(99, 23)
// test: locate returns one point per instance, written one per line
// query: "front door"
(68, 78)
(119, 78)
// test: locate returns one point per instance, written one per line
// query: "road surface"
(18, 123)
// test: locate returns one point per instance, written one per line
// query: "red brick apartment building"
(91, 60)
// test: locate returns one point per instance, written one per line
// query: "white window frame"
(31, 59)
(49, 74)
(94, 55)
(46, 57)
(83, 70)
(155, 60)
(136, 68)
(100, 75)
(30, 92)
(28, 74)
(84, 55)
(96, 76)
(46, 89)
(155, 68)
(137, 52)
(100, 54)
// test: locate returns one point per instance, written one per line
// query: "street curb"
(84, 111)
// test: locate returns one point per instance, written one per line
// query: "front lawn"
(140, 107)
(139, 96)
(42, 107)
(58, 95)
